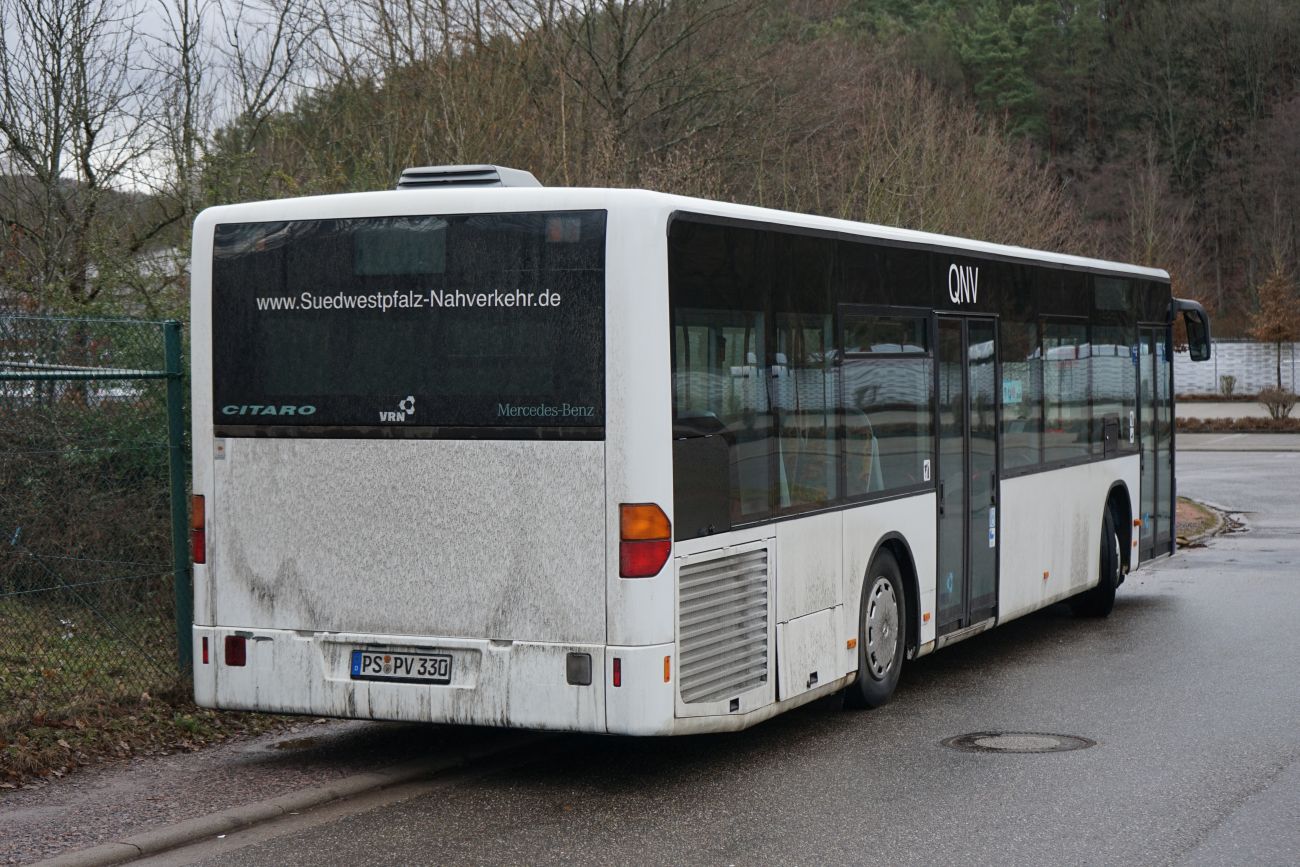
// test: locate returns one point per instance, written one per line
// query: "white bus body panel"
(308, 673)
(501, 539)
(201, 405)
(638, 409)
(810, 565)
(1045, 532)
(912, 519)
(808, 652)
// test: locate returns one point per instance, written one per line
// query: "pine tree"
(999, 49)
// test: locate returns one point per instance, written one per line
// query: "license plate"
(407, 667)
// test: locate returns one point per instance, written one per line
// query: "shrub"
(1227, 385)
(1278, 401)
(1238, 425)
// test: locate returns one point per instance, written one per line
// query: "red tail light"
(205, 650)
(618, 671)
(642, 559)
(198, 533)
(236, 650)
(645, 540)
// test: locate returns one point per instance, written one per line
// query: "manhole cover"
(1017, 742)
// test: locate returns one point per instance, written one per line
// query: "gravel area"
(96, 806)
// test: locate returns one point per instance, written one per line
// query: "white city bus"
(478, 451)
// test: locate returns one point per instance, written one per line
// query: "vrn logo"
(963, 284)
(405, 407)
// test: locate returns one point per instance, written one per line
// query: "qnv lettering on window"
(963, 284)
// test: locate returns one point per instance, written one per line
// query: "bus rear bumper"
(493, 683)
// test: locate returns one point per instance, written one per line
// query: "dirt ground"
(50, 746)
(1193, 519)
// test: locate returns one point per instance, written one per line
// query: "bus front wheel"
(1099, 601)
(882, 630)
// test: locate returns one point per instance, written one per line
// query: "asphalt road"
(1191, 690)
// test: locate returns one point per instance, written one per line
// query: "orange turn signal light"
(643, 522)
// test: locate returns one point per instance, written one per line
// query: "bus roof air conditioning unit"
(437, 177)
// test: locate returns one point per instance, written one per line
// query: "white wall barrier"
(1253, 364)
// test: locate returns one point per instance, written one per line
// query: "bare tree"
(646, 68)
(860, 137)
(75, 124)
(260, 47)
(343, 48)
(1161, 229)
(183, 60)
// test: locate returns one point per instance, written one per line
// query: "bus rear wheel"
(1099, 601)
(882, 630)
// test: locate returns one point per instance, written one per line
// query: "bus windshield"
(411, 326)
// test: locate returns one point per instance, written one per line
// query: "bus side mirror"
(1198, 328)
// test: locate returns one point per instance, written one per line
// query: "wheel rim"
(1119, 568)
(882, 628)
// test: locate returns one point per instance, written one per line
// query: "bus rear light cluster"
(198, 535)
(645, 540)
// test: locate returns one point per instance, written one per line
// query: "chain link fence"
(91, 492)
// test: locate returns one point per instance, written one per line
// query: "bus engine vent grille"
(722, 626)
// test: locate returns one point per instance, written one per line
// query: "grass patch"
(49, 747)
(60, 656)
(1194, 520)
(79, 686)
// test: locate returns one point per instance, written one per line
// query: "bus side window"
(1022, 394)
(863, 454)
(1067, 366)
(886, 383)
(803, 384)
(719, 381)
(701, 475)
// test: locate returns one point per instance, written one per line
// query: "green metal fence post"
(184, 590)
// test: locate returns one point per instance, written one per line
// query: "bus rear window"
(472, 325)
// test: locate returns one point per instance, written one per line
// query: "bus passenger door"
(1156, 430)
(967, 426)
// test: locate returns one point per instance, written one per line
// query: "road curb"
(147, 843)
